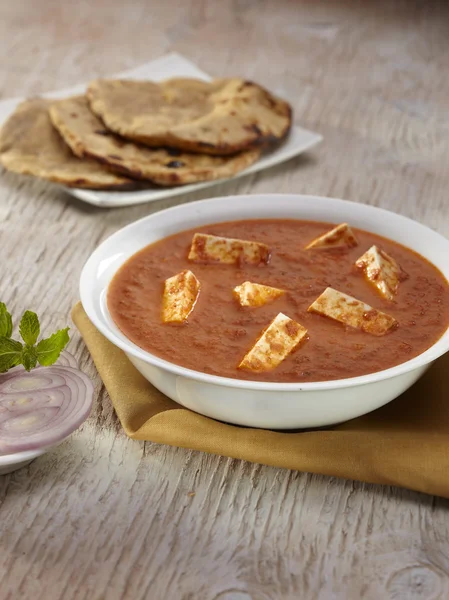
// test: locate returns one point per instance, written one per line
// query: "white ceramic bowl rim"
(90, 269)
(18, 457)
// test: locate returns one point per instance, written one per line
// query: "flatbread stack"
(124, 133)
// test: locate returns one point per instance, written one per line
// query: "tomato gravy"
(219, 331)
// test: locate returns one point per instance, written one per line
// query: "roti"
(221, 117)
(87, 137)
(30, 145)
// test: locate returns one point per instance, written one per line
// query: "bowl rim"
(85, 288)
(7, 460)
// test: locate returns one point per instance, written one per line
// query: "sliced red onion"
(13, 382)
(41, 408)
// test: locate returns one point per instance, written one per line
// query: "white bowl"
(253, 403)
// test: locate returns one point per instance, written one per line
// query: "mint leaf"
(48, 350)
(5, 321)
(29, 357)
(29, 327)
(10, 353)
(13, 353)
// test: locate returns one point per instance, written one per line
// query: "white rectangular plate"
(171, 65)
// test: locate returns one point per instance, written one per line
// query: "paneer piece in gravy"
(256, 294)
(277, 341)
(382, 271)
(180, 295)
(340, 236)
(215, 249)
(350, 311)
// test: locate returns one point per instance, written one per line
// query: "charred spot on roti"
(175, 164)
(174, 152)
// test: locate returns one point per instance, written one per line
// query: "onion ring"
(41, 408)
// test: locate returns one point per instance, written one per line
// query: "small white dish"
(13, 462)
(252, 403)
(16, 460)
(171, 65)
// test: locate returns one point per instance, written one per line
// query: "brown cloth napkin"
(405, 443)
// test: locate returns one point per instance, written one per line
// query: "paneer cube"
(340, 236)
(382, 271)
(275, 343)
(256, 294)
(214, 249)
(180, 295)
(352, 312)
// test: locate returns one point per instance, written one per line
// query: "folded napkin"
(405, 443)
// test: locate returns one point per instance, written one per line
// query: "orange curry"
(219, 331)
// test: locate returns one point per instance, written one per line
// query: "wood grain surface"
(104, 517)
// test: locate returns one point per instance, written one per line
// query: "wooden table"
(104, 517)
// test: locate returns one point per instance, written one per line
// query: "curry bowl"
(262, 404)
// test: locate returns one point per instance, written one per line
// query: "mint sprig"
(12, 352)
(48, 350)
(5, 321)
(29, 327)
